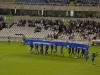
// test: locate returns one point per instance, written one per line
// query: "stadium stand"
(56, 2)
(59, 2)
(5, 0)
(47, 28)
(29, 32)
(39, 29)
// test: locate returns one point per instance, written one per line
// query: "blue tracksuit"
(61, 50)
(41, 48)
(55, 48)
(69, 49)
(86, 54)
(31, 45)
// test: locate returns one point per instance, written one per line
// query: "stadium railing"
(18, 38)
(96, 42)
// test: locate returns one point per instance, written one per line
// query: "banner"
(47, 42)
(66, 20)
(8, 17)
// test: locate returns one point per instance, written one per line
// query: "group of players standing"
(77, 52)
(71, 50)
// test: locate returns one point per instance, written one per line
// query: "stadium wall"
(43, 7)
(16, 18)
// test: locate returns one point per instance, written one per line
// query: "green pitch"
(16, 60)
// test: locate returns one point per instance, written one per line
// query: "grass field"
(16, 60)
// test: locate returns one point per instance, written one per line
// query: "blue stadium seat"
(53, 2)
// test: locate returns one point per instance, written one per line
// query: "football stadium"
(49, 37)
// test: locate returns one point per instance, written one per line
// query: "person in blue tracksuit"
(82, 52)
(46, 49)
(61, 51)
(41, 48)
(75, 52)
(86, 54)
(72, 51)
(51, 49)
(31, 47)
(69, 51)
(36, 48)
(93, 57)
(78, 51)
(55, 50)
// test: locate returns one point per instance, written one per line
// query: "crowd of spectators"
(46, 23)
(1, 18)
(37, 29)
(77, 2)
(55, 36)
(21, 22)
(48, 1)
(60, 2)
(43, 24)
(3, 24)
(84, 28)
(87, 3)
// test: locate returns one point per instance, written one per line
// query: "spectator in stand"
(48, 1)
(1, 18)
(82, 28)
(51, 38)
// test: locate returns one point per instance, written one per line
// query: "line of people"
(77, 52)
